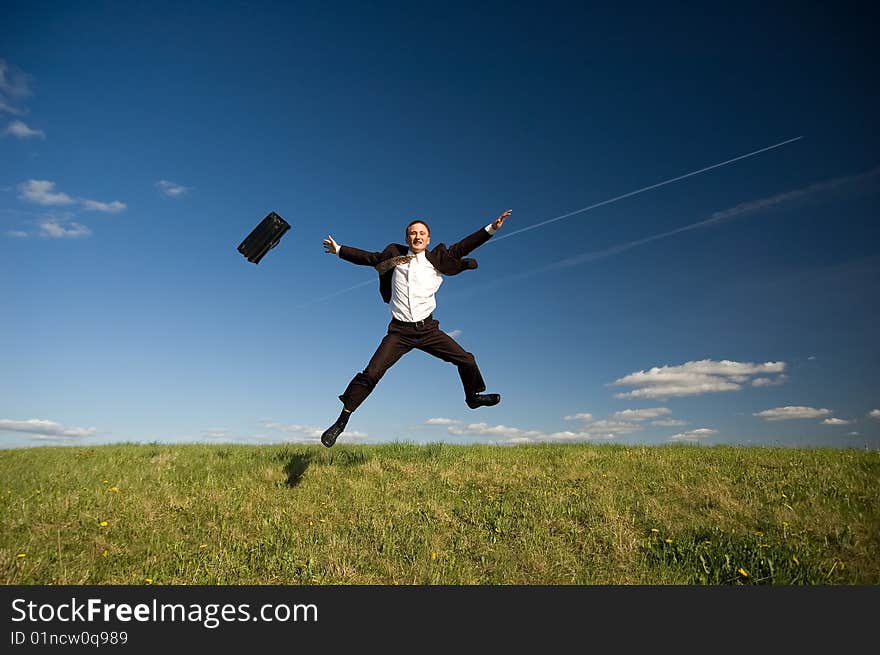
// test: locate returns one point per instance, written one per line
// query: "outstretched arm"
(353, 255)
(479, 237)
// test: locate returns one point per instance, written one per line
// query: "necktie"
(388, 264)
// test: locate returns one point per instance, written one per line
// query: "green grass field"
(439, 514)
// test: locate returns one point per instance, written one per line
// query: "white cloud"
(9, 109)
(669, 422)
(510, 434)
(590, 430)
(13, 82)
(21, 130)
(441, 421)
(835, 421)
(171, 189)
(18, 234)
(41, 192)
(218, 434)
(518, 440)
(874, 413)
(15, 85)
(791, 413)
(620, 423)
(770, 382)
(308, 431)
(693, 378)
(484, 429)
(640, 414)
(608, 429)
(454, 333)
(693, 436)
(53, 229)
(109, 207)
(44, 428)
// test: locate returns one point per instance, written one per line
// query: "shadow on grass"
(298, 463)
(296, 467)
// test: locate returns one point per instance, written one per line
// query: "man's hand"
(330, 246)
(500, 220)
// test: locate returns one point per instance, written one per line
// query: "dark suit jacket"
(449, 261)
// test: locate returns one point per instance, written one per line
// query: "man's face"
(417, 237)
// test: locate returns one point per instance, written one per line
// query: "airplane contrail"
(867, 181)
(642, 190)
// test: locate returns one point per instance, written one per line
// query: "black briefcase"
(263, 238)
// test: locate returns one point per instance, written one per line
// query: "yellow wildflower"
(148, 580)
(203, 545)
(20, 555)
(105, 553)
(104, 524)
(433, 555)
(114, 489)
(743, 572)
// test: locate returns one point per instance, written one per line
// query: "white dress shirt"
(413, 286)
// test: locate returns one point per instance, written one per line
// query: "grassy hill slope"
(439, 514)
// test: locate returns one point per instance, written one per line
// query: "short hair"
(411, 223)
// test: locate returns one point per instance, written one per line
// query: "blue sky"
(140, 143)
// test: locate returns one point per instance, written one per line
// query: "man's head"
(418, 236)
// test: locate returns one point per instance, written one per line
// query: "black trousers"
(401, 338)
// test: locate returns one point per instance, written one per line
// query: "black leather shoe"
(483, 400)
(331, 433)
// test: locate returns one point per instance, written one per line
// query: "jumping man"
(409, 277)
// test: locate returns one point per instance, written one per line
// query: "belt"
(414, 324)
